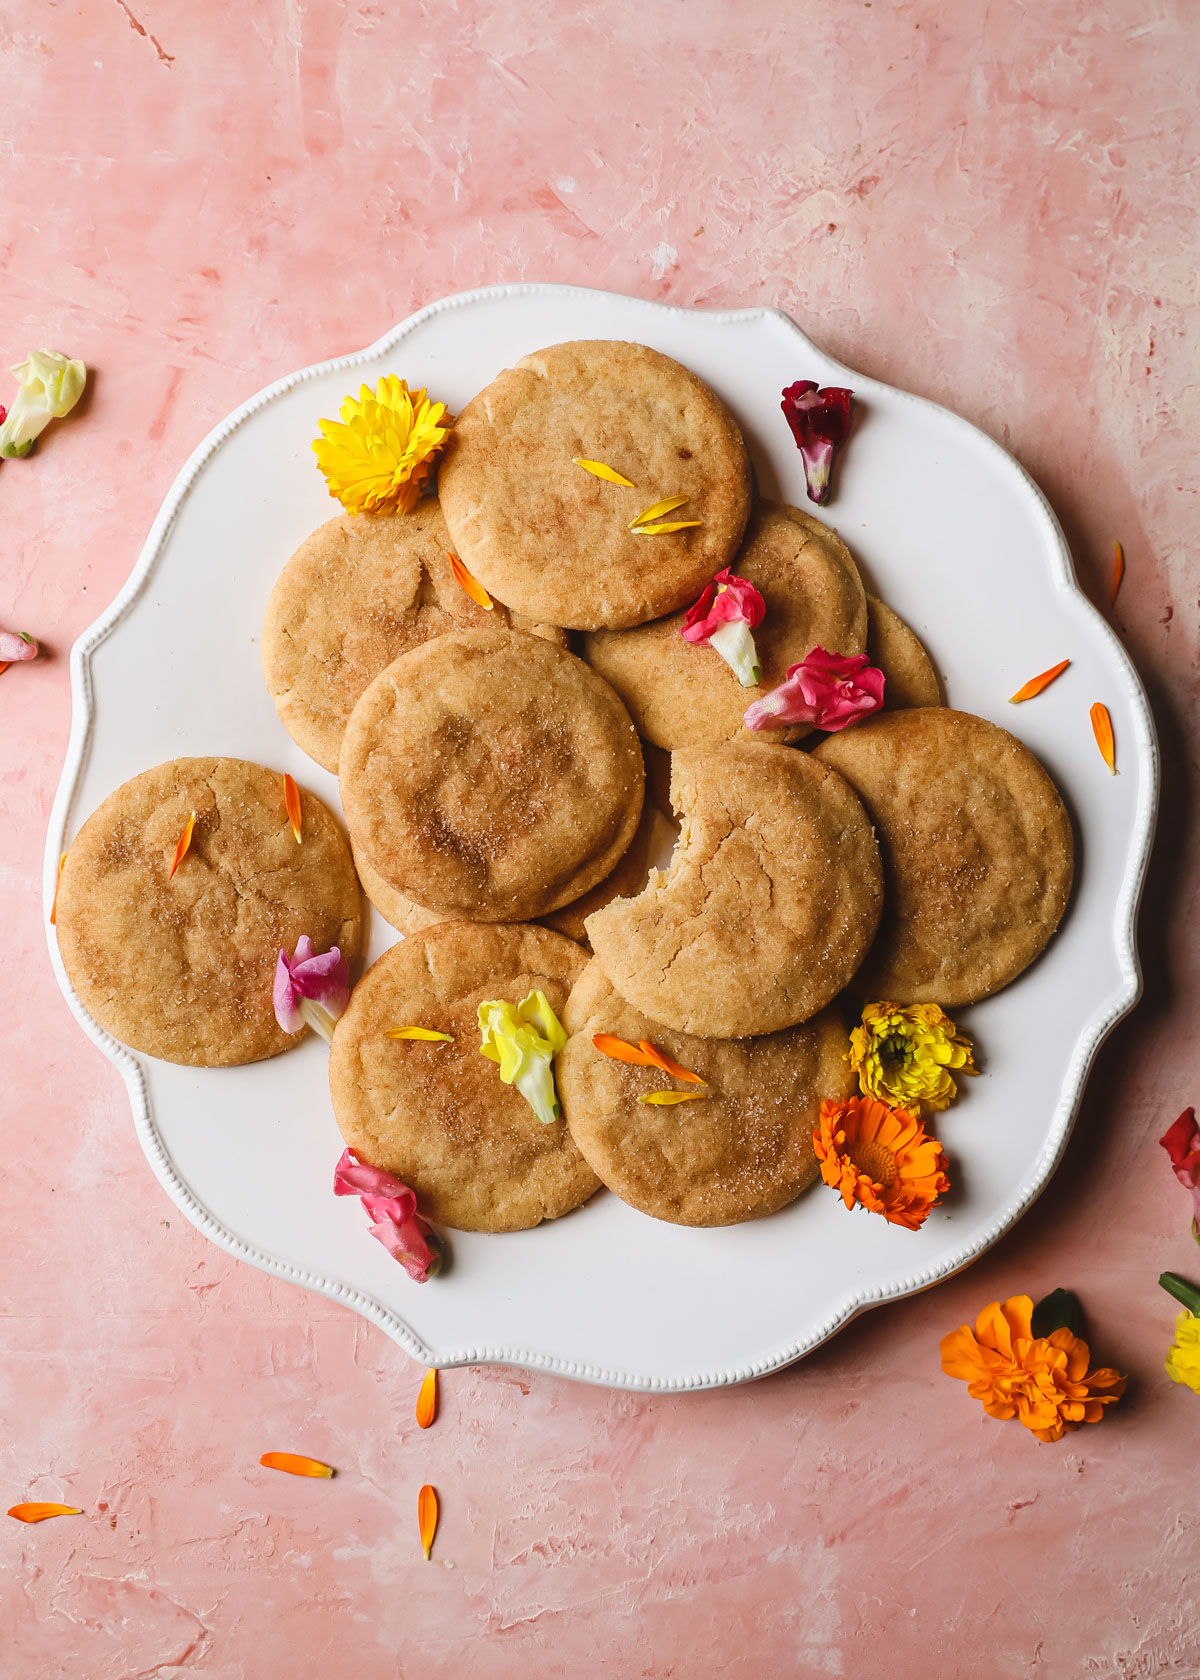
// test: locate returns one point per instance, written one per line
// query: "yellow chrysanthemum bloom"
(383, 449)
(1183, 1360)
(905, 1056)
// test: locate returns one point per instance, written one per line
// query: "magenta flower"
(825, 689)
(392, 1209)
(723, 617)
(1182, 1144)
(311, 991)
(819, 422)
(15, 645)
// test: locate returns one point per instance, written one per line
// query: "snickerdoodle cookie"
(438, 1115)
(977, 848)
(682, 694)
(357, 594)
(554, 541)
(770, 904)
(490, 774)
(181, 966)
(743, 1150)
(909, 678)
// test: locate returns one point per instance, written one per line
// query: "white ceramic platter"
(953, 534)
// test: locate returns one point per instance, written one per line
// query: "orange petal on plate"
(39, 1513)
(621, 1051)
(425, 1034)
(427, 1399)
(598, 469)
(57, 884)
(658, 1060)
(664, 1099)
(295, 1464)
(657, 509)
(1035, 685)
(1102, 729)
(470, 586)
(664, 525)
(427, 1517)
(291, 804)
(1118, 572)
(181, 850)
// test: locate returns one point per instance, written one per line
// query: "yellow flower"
(524, 1039)
(380, 454)
(1183, 1359)
(904, 1056)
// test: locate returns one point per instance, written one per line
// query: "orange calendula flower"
(1042, 1381)
(427, 1399)
(427, 1518)
(39, 1512)
(1035, 685)
(184, 843)
(1102, 729)
(291, 804)
(469, 585)
(295, 1464)
(880, 1158)
(383, 449)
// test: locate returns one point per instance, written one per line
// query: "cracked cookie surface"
(770, 904)
(182, 968)
(437, 1115)
(492, 775)
(552, 540)
(743, 1151)
(977, 848)
(358, 593)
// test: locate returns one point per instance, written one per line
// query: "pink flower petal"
(1181, 1141)
(15, 647)
(407, 1244)
(324, 980)
(820, 421)
(352, 1177)
(392, 1209)
(829, 690)
(727, 600)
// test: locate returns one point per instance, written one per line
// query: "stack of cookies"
(493, 762)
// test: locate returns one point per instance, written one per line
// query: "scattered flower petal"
(427, 1518)
(657, 1059)
(1118, 572)
(1043, 1381)
(1181, 1140)
(599, 470)
(392, 1209)
(427, 1399)
(825, 689)
(469, 585)
(310, 990)
(57, 884)
(820, 421)
(291, 804)
(882, 1159)
(1035, 685)
(50, 387)
(1102, 729)
(425, 1034)
(37, 1512)
(665, 525)
(16, 645)
(729, 609)
(642, 1054)
(295, 1464)
(524, 1039)
(666, 1099)
(183, 845)
(383, 450)
(1183, 1356)
(906, 1056)
(657, 509)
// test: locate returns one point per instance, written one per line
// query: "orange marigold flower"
(1043, 1381)
(881, 1158)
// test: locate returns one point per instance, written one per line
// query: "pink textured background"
(994, 206)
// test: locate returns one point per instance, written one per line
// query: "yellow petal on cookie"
(57, 884)
(657, 509)
(425, 1034)
(39, 1512)
(295, 1464)
(185, 840)
(599, 470)
(664, 525)
(427, 1399)
(1102, 729)
(427, 1517)
(469, 585)
(665, 1099)
(291, 804)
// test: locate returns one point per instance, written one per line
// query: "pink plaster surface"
(994, 206)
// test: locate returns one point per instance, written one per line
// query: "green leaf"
(1060, 1310)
